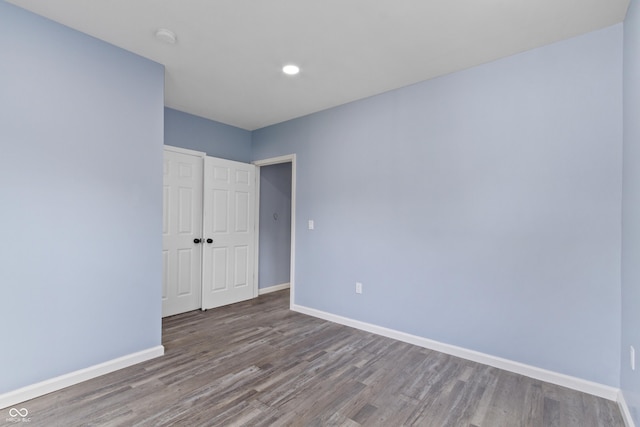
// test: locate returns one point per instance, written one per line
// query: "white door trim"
(185, 151)
(290, 158)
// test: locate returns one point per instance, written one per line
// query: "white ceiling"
(226, 64)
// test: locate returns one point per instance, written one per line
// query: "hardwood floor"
(258, 364)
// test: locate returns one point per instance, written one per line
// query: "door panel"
(220, 211)
(242, 212)
(229, 198)
(185, 273)
(219, 266)
(242, 260)
(182, 223)
(186, 205)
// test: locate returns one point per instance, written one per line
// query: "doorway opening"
(275, 231)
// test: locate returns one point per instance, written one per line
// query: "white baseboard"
(596, 389)
(624, 410)
(39, 389)
(273, 288)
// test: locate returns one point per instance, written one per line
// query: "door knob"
(197, 240)
(209, 240)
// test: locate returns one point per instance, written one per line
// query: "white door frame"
(185, 151)
(291, 158)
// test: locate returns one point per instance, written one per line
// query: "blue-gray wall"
(81, 133)
(630, 380)
(216, 139)
(481, 209)
(275, 225)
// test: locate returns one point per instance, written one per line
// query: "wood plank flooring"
(258, 364)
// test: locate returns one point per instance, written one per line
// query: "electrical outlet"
(311, 224)
(632, 357)
(358, 288)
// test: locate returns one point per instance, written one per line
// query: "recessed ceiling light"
(291, 69)
(166, 36)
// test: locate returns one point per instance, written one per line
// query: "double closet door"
(208, 240)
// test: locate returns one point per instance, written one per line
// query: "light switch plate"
(358, 288)
(311, 224)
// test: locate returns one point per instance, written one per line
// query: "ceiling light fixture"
(166, 36)
(291, 69)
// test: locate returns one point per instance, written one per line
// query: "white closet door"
(182, 228)
(229, 256)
